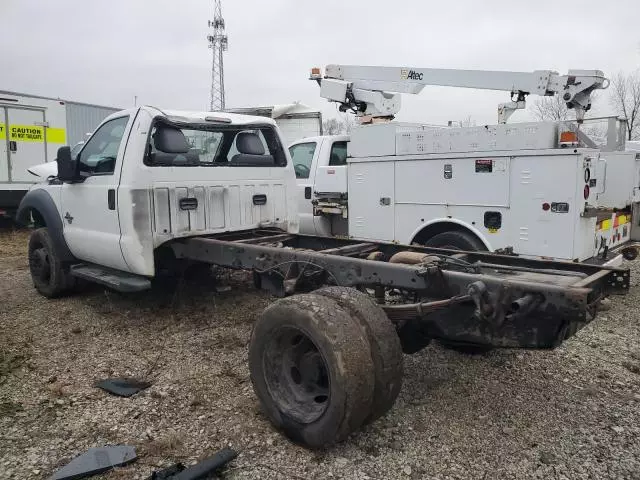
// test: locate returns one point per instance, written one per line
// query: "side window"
(302, 156)
(338, 154)
(98, 157)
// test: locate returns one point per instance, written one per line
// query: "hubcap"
(296, 375)
(39, 264)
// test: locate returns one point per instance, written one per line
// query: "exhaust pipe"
(413, 258)
(523, 304)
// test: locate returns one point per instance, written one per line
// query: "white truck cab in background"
(314, 157)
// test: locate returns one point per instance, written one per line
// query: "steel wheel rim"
(296, 375)
(40, 264)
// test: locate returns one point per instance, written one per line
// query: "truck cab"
(320, 163)
(147, 176)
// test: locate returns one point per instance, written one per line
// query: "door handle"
(111, 199)
(307, 193)
(260, 199)
(188, 203)
(13, 146)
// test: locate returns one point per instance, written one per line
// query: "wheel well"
(31, 217)
(440, 227)
(38, 219)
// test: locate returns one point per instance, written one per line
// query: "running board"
(114, 279)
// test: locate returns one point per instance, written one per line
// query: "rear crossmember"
(472, 298)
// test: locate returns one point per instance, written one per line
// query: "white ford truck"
(151, 190)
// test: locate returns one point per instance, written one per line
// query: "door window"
(338, 154)
(98, 157)
(302, 156)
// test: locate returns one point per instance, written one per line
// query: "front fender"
(38, 201)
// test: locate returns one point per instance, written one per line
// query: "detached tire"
(455, 240)
(386, 350)
(50, 276)
(311, 369)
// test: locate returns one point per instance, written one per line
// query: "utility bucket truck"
(540, 189)
(154, 192)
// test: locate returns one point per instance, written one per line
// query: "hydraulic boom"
(374, 91)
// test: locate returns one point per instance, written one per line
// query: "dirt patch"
(13, 242)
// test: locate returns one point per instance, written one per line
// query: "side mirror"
(66, 165)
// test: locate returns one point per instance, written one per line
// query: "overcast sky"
(109, 51)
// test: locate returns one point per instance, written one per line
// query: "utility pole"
(218, 44)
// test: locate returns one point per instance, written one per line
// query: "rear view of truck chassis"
(327, 362)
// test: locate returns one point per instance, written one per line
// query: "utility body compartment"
(512, 186)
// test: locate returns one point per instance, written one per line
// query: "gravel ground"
(571, 413)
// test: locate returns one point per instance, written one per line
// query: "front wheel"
(50, 276)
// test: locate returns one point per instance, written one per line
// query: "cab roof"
(183, 116)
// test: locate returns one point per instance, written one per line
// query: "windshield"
(214, 145)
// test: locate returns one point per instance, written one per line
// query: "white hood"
(44, 170)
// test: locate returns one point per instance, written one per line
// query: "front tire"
(50, 275)
(311, 369)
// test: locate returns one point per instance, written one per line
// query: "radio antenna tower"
(218, 44)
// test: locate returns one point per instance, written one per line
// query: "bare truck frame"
(327, 362)
(476, 298)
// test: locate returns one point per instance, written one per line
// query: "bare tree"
(339, 126)
(467, 122)
(550, 109)
(625, 98)
(331, 126)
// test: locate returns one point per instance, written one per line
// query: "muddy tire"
(311, 369)
(50, 276)
(386, 350)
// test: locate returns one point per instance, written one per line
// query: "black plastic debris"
(95, 461)
(123, 387)
(199, 471)
(167, 473)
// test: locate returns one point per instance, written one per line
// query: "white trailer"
(540, 189)
(295, 120)
(32, 128)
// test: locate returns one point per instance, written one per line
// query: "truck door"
(89, 209)
(304, 157)
(27, 147)
(4, 151)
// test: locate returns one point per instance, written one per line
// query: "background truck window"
(302, 156)
(98, 156)
(338, 154)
